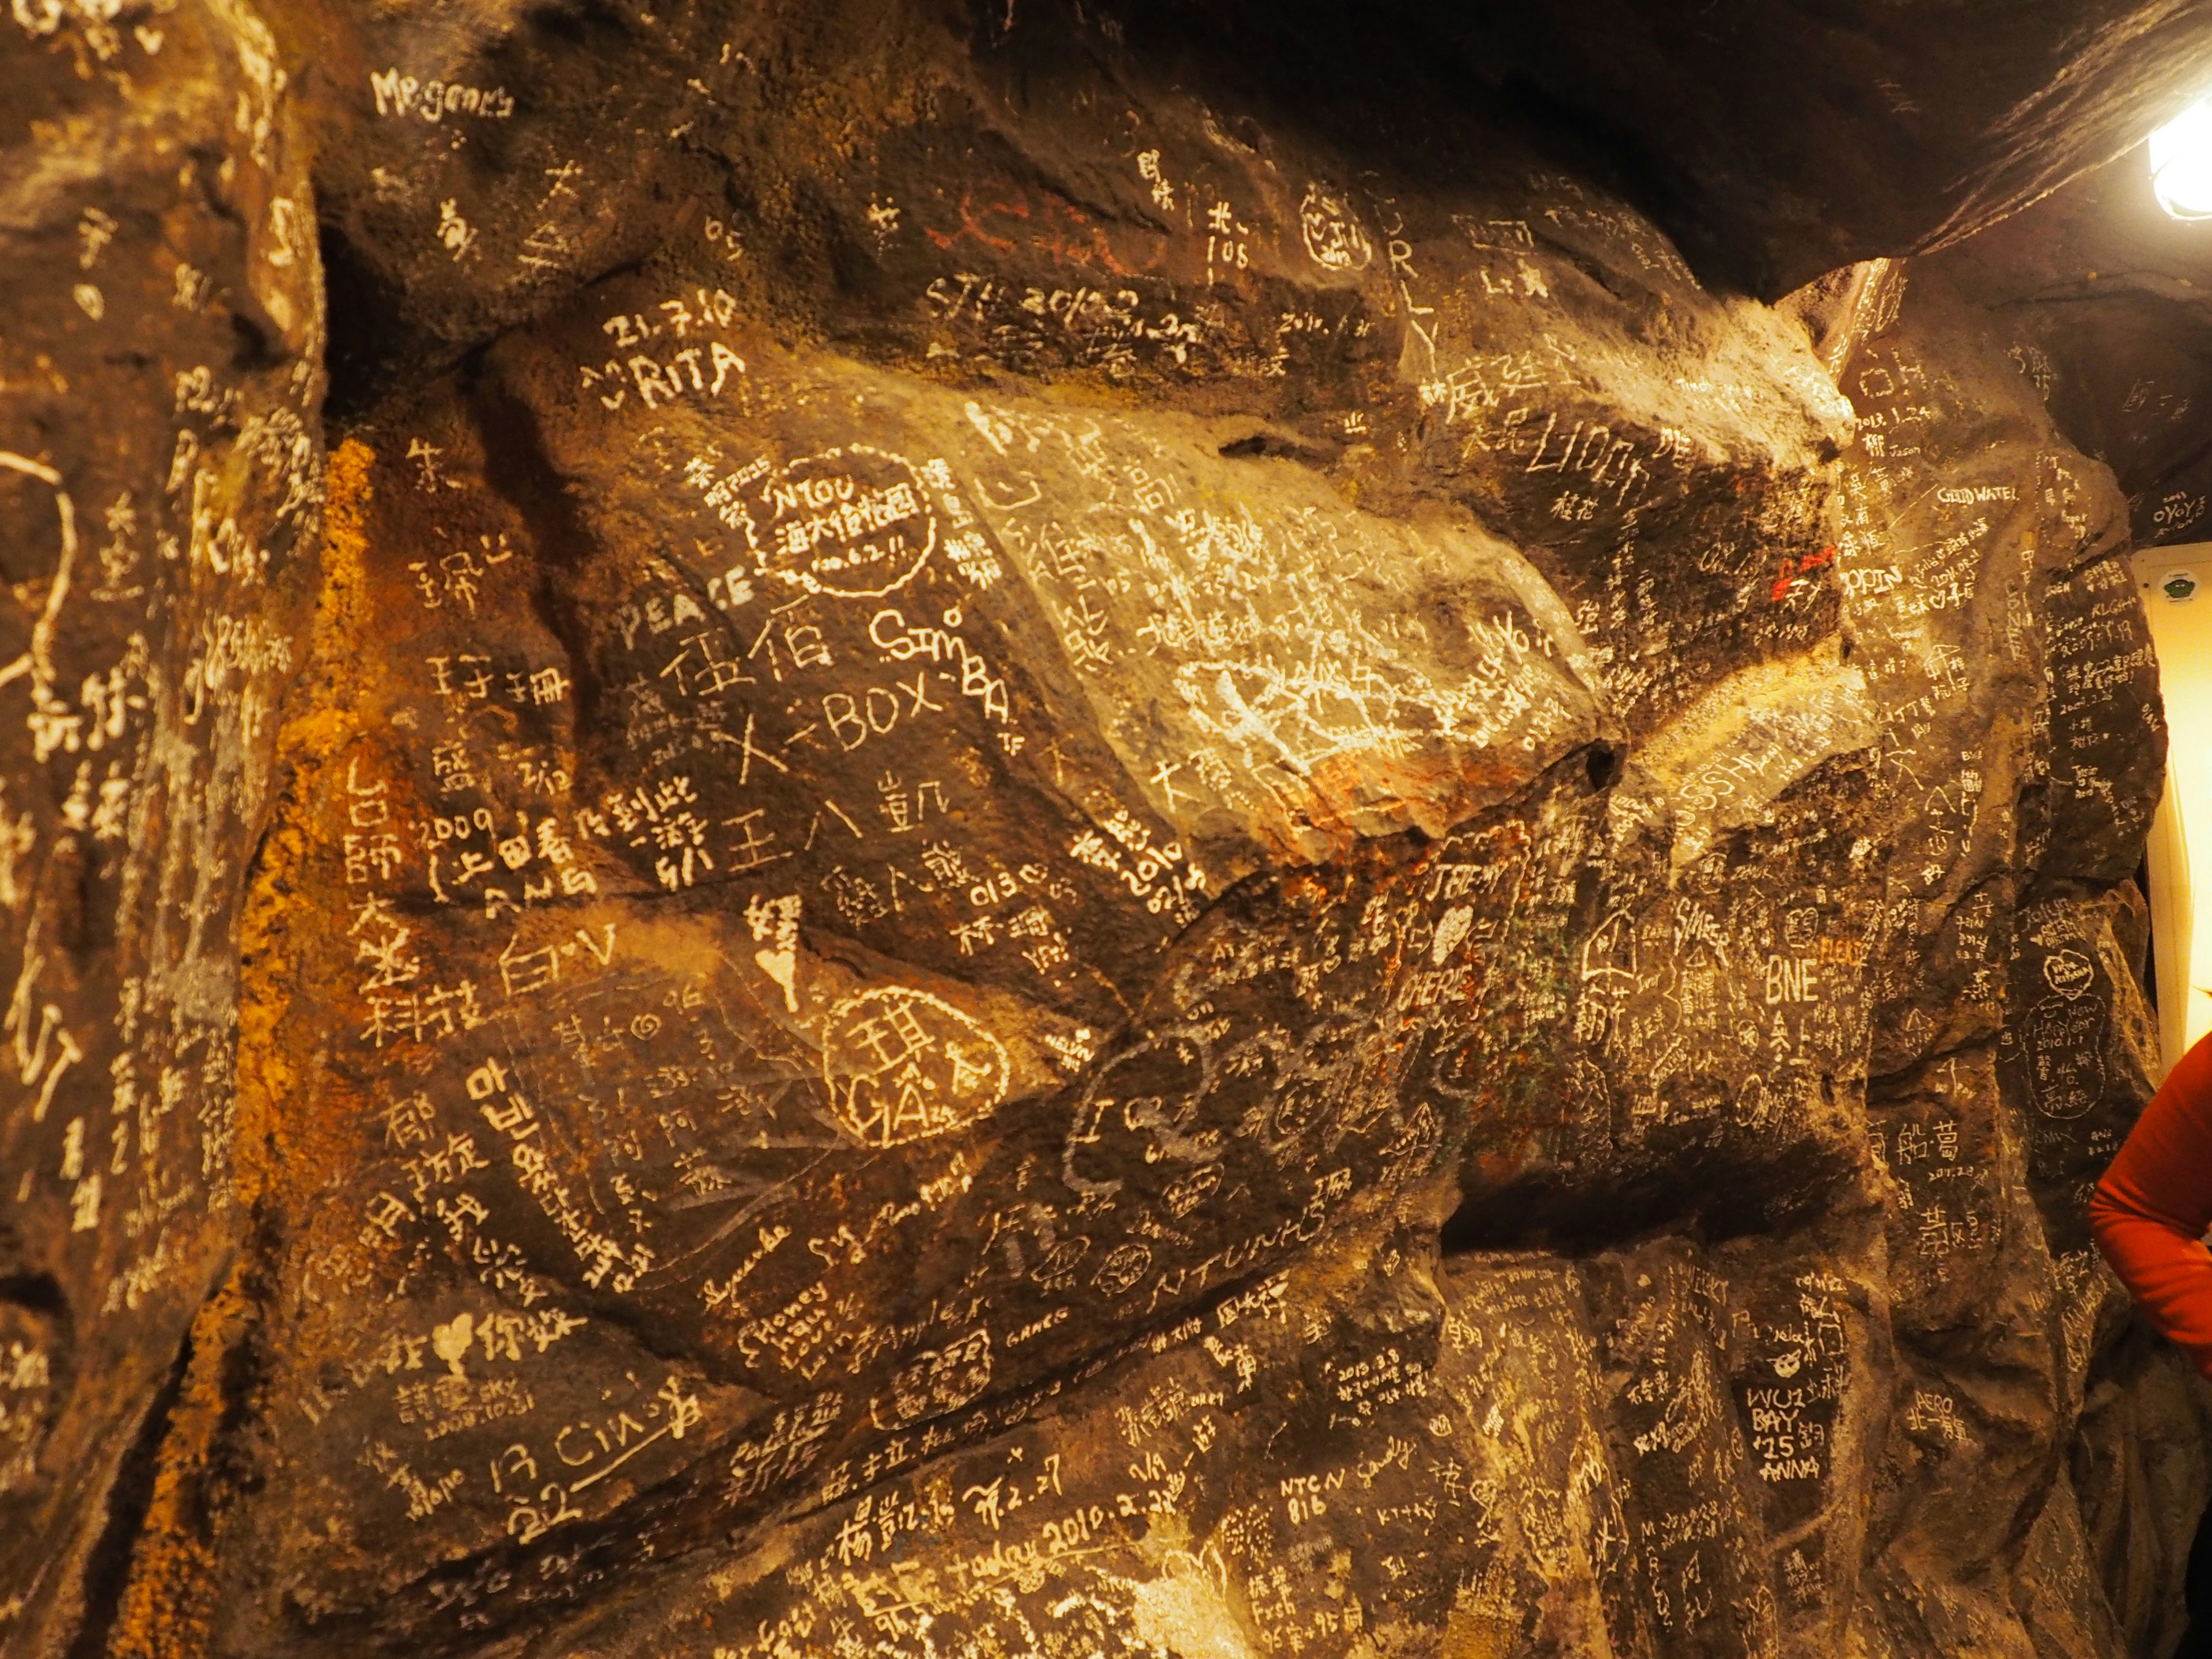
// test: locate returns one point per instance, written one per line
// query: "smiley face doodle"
(1333, 239)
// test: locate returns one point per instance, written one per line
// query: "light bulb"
(2181, 162)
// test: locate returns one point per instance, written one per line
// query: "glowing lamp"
(2181, 162)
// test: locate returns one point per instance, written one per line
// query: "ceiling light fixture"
(2181, 162)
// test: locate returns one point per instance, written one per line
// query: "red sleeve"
(2153, 1207)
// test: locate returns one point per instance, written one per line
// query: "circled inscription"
(902, 1065)
(852, 523)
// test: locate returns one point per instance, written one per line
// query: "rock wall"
(1047, 841)
(161, 489)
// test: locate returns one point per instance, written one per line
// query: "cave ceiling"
(1063, 828)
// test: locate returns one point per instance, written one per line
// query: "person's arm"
(2153, 1206)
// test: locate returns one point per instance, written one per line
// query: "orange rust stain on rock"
(169, 1600)
(169, 1604)
(1355, 796)
(284, 1115)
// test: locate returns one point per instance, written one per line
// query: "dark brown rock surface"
(1030, 850)
(1774, 140)
(161, 478)
(2102, 299)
